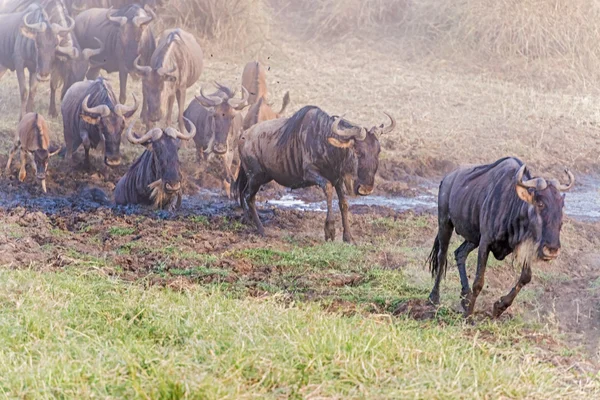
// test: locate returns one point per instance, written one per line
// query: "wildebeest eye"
(540, 205)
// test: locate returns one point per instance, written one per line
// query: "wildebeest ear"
(525, 194)
(341, 144)
(27, 33)
(90, 120)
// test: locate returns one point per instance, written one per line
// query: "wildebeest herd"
(498, 208)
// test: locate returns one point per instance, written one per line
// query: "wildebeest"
(499, 208)
(254, 79)
(155, 177)
(33, 138)
(91, 115)
(67, 72)
(175, 65)
(125, 35)
(219, 123)
(262, 111)
(310, 148)
(29, 40)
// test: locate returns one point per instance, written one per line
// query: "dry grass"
(233, 24)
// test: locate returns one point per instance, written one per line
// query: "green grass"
(79, 335)
(121, 231)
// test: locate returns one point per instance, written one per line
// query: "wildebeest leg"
(11, 155)
(180, 107)
(482, 258)
(329, 221)
(505, 301)
(22, 169)
(250, 197)
(445, 228)
(122, 86)
(339, 188)
(33, 83)
(22, 89)
(170, 102)
(85, 139)
(93, 73)
(461, 255)
(54, 80)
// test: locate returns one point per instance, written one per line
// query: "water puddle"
(583, 202)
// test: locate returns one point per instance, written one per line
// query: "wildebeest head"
(46, 37)
(545, 211)
(41, 158)
(224, 107)
(159, 84)
(164, 145)
(366, 147)
(111, 125)
(132, 22)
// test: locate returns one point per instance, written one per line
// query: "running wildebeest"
(254, 80)
(310, 148)
(175, 65)
(155, 177)
(29, 40)
(33, 138)
(91, 115)
(499, 208)
(125, 35)
(218, 122)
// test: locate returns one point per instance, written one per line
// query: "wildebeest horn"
(175, 134)
(536, 183)
(162, 71)
(37, 27)
(240, 104)
(152, 135)
(101, 110)
(139, 20)
(121, 109)
(56, 28)
(89, 53)
(119, 20)
(560, 186)
(70, 51)
(389, 129)
(209, 101)
(353, 134)
(145, 70)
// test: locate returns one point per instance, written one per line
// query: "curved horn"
(560, 186)
(162, 71)
(142, 20)
(121, 109)
(89, 53)
(389, 129)
(361, 135)
(57, 29)
(152, 135)
(70, 51)
(118, 20)
(37, 27)
(208, 101)
(187, 135)
(101, 110)
(240, 104)
(536, 183)
(144, 70)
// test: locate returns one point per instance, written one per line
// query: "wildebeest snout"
(364, 190)
(550, 252)
(112, 161)
(220, 148)
(43, 76)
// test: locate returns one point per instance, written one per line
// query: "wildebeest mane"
(100, 93)
(483, 169)
(130, 11)
(320, 124)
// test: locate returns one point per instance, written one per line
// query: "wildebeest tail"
(432, 260)
(240, 185)
(285, 104)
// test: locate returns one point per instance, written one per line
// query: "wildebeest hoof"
(349, 239)
(434, 299)
(498, 309)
